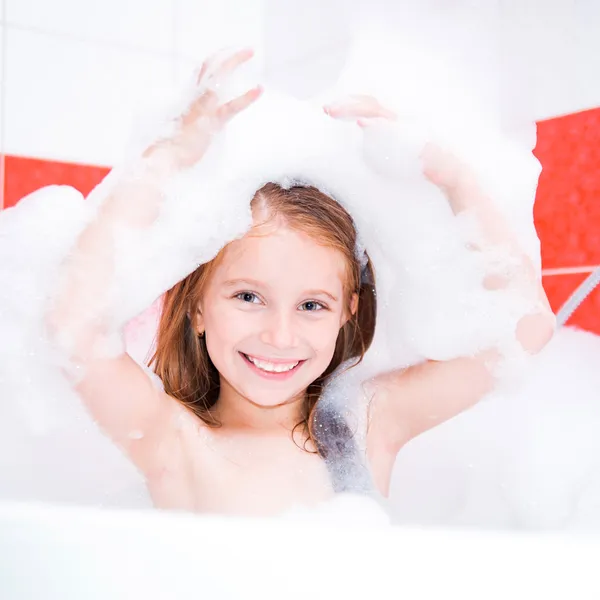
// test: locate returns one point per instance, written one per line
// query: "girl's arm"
(116, 390)
(407, 402)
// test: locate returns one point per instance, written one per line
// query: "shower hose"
(577, 297)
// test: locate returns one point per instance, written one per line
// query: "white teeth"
(270, 367)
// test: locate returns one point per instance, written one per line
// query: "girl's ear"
(354, 304)
(353, 308)
(196, 318)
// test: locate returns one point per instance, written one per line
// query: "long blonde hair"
(181, 358)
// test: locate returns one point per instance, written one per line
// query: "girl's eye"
(247, 297)
(312, 306)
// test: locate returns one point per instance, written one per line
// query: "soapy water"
(525, 460)
(482, 468)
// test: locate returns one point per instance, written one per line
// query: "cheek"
(224, 329)
(326, 336)
(322, 338)
(228, 328)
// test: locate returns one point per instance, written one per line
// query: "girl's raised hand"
(440, 167)
(206, 114)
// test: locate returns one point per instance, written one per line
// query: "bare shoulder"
(129, 407)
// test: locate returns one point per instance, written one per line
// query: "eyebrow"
(251, 282)
(255, 283)
(323, 292)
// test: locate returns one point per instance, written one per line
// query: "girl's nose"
(279, 330)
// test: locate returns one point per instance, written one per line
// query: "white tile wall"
(75, 101)
(310, 74)
(203, 27)
(306, 44)
(140, 23)
(588, 45)
(300, 44)
(295, 29)
(76, 69)
(556, 48)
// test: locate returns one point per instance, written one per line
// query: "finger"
(233, 62)
(232, 108)
(230, 64)
(220, 63)
(358, 111)
(369, 102)
(202, 72)
(371, 121)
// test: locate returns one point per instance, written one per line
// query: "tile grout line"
(173, 57)
(81, 39)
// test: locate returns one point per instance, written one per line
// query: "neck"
(238, 412)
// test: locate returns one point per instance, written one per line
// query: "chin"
(272, 398)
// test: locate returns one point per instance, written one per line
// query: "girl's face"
(271, 312)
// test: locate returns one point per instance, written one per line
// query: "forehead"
(277, 254)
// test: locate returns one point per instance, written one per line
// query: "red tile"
(1, 181)
(25, 175)
(560, 287)
(567, 209)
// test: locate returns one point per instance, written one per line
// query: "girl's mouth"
(274, 371)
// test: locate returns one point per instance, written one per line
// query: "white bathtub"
(66, 553)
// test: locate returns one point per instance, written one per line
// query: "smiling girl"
(247, 341)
